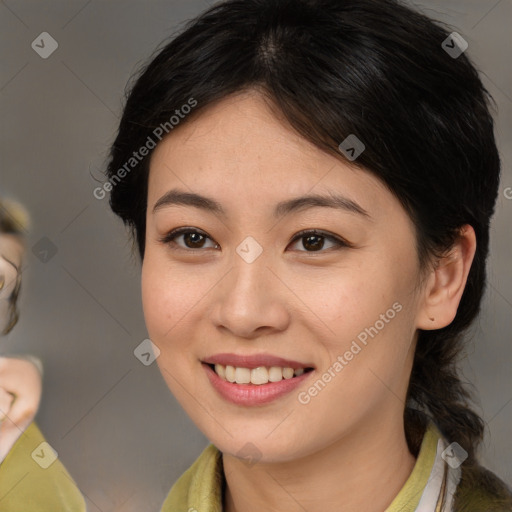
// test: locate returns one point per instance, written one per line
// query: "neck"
(363, 470)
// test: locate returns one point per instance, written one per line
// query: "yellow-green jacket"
(32, 478)
(433, 486)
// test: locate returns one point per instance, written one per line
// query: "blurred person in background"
(32, 478)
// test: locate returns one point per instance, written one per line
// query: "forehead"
(243, 127)
(242, 147)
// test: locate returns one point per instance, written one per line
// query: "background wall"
(111, 419)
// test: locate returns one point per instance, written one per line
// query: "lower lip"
(252, 394)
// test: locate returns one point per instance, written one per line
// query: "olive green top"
(32, 478)
(430, 487)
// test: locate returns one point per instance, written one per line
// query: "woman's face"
(241, 282)
(11, 250)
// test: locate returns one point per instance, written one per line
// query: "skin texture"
(346, 448)
(20, 380)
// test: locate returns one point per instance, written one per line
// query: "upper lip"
(254, 361)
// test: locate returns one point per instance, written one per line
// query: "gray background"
(113, 422)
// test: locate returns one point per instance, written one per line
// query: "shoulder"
(480, 490)
(200, 485)
(36, 479)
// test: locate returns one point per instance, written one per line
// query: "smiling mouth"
(257, 376)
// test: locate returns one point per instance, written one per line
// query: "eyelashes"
(196, 236)
(170, 238)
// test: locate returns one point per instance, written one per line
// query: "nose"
(251, 300)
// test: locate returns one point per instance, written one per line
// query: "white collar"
(442, 483)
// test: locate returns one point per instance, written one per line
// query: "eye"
(192, 238)
(314, 240)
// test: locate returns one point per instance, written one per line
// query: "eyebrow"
(178, 197)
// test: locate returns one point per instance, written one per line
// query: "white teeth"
(221, 371)
(230, 373)
(242, 375)
(275, 374)
(257, 376)
(287, 373)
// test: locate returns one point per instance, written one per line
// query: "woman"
(310, 184)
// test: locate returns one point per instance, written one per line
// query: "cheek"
(369, 310)
(352, 299)
(167, 316)
(157, 301)
(172, 298)
(164, 300)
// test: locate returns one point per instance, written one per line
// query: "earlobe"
(446, 282)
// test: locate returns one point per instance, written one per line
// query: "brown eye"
(192, 239)
(314, 241)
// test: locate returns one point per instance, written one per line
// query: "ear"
(446, 282)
